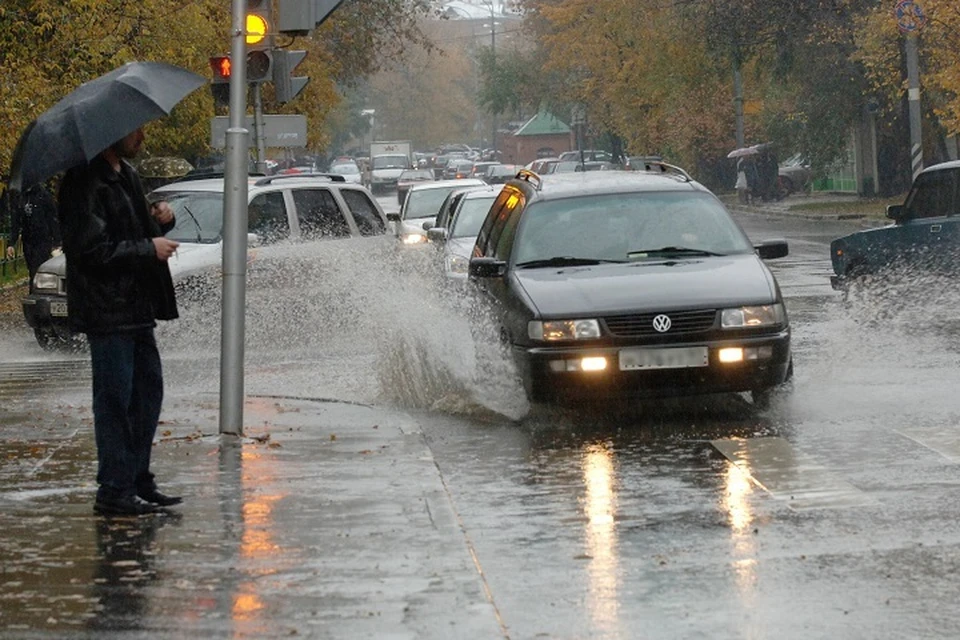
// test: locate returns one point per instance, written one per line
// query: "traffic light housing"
(258, 25)
(259, 65)
(221, 67)
(286, 87)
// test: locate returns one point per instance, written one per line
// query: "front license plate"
(58, 309)
(670, 358)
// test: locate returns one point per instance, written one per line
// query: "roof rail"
(663, 167)
(333, 177)
(531, 177)
(208, 175)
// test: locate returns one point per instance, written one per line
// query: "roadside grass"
(869, 207)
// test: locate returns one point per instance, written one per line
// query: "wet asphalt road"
(830, 515)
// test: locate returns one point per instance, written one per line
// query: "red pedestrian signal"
(221, 66)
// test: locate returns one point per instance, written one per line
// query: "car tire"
(47, 339)
(784, 187)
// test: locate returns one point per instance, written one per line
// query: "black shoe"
(124, 506)
(158, 498)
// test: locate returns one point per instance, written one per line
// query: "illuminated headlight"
(413, 238)
(768, 315)
(553, 330)
(46, 281)
(457, 264)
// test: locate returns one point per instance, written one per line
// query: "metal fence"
(11, 269)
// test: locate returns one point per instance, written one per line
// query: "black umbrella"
(95, 115)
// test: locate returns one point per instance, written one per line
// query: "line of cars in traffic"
(607, 283)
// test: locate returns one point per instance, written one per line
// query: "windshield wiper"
(672, 251)
(564, 261)
(195, 221)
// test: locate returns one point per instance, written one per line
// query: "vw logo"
(662, 323)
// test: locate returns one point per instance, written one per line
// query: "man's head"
(128, 146)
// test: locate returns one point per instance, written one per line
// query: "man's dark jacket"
(115, 282)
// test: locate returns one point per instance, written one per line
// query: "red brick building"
(543, 135)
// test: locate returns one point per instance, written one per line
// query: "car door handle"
(936, 228)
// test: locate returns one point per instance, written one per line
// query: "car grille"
(641, 325)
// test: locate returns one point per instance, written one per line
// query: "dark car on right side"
(925, 234)
(630, 284)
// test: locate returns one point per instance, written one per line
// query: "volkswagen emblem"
(662, 323)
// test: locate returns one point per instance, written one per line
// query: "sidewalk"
(327, 520)
(795, 205)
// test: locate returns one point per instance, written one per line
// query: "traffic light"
(259, 66)
(259, 27)
(286, 88)
(221, 69)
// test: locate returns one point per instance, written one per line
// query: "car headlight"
(768, 315)
(457, 264)
(554, 330)
(413, 238)
(46, 281)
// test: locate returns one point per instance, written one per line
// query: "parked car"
(925, 233)
(630, 284)
(794, 174)
(420, 208)
(409, 178)
(281, 207)
(456, 235)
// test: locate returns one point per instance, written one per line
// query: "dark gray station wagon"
(632, 284)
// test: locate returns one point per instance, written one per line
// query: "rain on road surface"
(831, 514)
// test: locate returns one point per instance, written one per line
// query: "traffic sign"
(910, 17)
(278, 131)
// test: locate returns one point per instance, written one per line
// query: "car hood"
(649, 286)
(387, 173)
(189, 258)
(415, 225)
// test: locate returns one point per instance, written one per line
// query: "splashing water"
(360, 319)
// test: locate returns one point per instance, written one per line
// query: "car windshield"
(934, 194)
(473, 211)
(628, 227)
(199, 215)
(390, 162)
(425, 203)
(345, 169)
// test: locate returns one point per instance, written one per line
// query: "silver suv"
(296, 206)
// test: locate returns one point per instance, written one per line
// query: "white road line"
(945, 441)
(787, 474)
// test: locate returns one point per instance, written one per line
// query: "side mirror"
(770, 249)
(437, 234)
(895, 212)
(428, 225)
(393, 216)
(487, 268)
(253, 240)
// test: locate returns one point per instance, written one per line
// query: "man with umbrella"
(118, 280)
(33, 221)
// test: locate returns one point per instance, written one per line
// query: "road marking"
(787, 474)
(945, 441)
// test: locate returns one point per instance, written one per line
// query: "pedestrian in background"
(33, 222)
(118, 285)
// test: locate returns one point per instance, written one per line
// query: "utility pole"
(910, 20)
(738, 103)
(493, 55)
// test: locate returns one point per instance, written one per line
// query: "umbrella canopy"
(95, 115)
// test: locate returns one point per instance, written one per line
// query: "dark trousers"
(127, 395)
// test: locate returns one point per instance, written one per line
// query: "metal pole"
(913, 100)
(259, 133)
(493, 54)
(738, 103)
(234, 236)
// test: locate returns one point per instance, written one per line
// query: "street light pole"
(493, 55)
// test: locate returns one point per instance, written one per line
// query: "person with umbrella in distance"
(118, 280)
(33, 221)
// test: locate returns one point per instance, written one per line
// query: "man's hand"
(10, 252)
(161, 211)
(165, 248)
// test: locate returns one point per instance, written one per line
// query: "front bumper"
(46, 312)
(538, 367)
